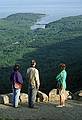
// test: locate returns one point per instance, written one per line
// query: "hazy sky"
(55, 8)
(36, 2)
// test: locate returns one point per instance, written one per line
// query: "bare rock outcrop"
(4, 99)
(42, 97)
(78, 95)
(53, 96)
(10, 95)
(23, 98)
(8, 98)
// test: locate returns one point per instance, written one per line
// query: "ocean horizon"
(53, 12)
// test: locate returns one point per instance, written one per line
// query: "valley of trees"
(60, 41)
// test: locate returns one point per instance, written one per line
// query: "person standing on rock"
(61, 83)
(17, 82)
(33, 83)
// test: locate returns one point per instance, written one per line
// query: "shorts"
(62, 91)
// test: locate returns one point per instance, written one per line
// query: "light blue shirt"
(61, 77)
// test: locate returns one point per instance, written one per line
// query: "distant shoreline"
(42, 22)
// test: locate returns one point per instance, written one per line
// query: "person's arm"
(37, 78)
(58, 77)
(27, 73)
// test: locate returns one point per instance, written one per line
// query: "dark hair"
(62, 65)
(16, 67)
(33, 62)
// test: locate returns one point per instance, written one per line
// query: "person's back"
(63, 78)
(33, 76)
(17, 82)
(33, 83)
(16, 79)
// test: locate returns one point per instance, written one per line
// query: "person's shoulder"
(63, 71)
(33, 69)
(19, 73)
(29, 68)
(36, 69)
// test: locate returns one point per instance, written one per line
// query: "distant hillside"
(60, 41)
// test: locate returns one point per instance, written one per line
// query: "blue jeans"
(32, 92)
(16, 94)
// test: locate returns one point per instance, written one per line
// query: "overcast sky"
(37, 2)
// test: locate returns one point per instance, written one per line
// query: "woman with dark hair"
(17, 82)
(61, 83)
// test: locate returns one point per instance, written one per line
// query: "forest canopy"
(60, 41)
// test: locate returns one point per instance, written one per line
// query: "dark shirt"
(16, 77)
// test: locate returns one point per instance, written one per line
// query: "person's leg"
(16, 94)
(60, 100)
(60, 93)
(63, 97)
(30, 97)
(13, 101)
(34, 93)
